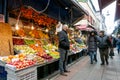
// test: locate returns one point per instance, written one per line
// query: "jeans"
(63, 60)
(93, 55)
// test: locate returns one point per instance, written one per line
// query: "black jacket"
(63, 40)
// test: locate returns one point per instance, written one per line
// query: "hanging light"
(16, 27)
(46, 30)
(32, 28)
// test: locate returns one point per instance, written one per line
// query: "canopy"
(63, 10)
(84, 28)
(104, 3)
(117, 14)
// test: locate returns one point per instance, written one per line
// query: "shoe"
(95, 60)
(102, 64)
(107, 63)
(63, 74)
(111, 57)
(91, 63)
(66, 71)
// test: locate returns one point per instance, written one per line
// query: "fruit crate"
(3, 75)
(2, 63)
(29, 73)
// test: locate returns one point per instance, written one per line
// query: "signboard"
(83, 0)
(2, 18)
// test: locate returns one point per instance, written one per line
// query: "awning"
(63, 10)
(104, 3)
(117, 14)
(84, 28)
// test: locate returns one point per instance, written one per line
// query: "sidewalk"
(83, 70)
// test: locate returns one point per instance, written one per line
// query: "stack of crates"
(3, 73)
(29, 73)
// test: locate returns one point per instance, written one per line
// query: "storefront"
(29, 50)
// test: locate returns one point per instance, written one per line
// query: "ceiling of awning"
(117, 14)
(56, 8)
(104, 3)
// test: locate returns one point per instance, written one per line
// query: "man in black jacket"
(64, 46)
(104, 44)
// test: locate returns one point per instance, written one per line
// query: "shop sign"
(83, 0)
(1, 18)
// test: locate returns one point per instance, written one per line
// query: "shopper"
(92, 46)
(64, 46)
(113, 45)
(118, 43)
(103, 44)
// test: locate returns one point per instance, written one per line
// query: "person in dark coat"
(104, 44)
(113, 45)
(92, 46)
(64, 46)
(118, 43)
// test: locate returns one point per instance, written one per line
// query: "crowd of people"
(95, 42)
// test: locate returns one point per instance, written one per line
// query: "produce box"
(29, 73)
(2, 63)
(3, 75)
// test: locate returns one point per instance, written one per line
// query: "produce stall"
(33, 54)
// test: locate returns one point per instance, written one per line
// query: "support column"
(6, 11)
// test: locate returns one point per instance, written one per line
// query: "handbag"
(111, 53)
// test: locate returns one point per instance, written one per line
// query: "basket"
(29, 73)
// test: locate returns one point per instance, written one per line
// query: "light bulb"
(17, 27)
(46, 30)
(32, 27)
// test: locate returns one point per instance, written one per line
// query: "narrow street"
(83, 70)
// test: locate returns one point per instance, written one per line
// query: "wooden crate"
(6, 44)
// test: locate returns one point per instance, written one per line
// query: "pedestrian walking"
(103, 44)
(92, 46)
(118, 43)
(113, 45)
(64, 46)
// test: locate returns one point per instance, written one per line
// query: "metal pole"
(6, 11)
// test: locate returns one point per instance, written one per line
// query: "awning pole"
(6, 11)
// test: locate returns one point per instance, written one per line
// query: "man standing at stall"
(104, 44)
(64, 46)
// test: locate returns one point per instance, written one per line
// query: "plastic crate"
(2, 63)
(2, 69)
(3, 75)
(24, 74)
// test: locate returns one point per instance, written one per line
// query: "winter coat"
(63, 40)
(113, 42)
(104, 42)
(118, 43)
(92, 43)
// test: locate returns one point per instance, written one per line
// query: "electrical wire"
(43, 9)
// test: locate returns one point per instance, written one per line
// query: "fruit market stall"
(34, 45)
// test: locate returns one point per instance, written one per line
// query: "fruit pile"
(21, 33)
(24, 49)
(54, 54)
(39, 60)
(40, 51)
(29, 42)
(18, 41)
(22, 64)
(47, 57)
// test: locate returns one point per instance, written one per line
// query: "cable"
(43, 9)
